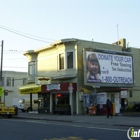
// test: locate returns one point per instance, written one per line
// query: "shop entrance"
(61, 103)
(44, 103)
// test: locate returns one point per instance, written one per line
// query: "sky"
(31, 24)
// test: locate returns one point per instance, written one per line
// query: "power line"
(14, 67)
(1, 26)
(23, 35)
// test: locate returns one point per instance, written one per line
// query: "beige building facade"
(58, 75)
(11, 81)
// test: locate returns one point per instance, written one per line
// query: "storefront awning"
(29, 88)
(64, 77)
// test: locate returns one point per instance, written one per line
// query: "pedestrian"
(108, 107)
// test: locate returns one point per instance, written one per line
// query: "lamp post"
(70, 88)
(1, 62)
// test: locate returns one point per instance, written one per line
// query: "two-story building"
(11, 81)
(70, 73)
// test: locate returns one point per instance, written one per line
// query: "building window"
(13, 82)
(8, 81)
(130, 93)
(24, 81)
(31, 68)
(69, 60)
(61, 61)
(3, 81)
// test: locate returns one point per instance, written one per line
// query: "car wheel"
(23, 110)
(28, 109)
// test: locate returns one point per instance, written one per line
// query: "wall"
(136, 90)
(13, 94)
(94, 45)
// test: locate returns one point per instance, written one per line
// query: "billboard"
(105, 67)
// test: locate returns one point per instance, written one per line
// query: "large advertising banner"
(108, 68)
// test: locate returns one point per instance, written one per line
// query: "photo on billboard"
(108, 68)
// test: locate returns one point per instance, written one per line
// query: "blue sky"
(59, 19)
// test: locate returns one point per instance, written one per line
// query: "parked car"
(24, 104)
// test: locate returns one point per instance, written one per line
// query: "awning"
(29, 88)
(64, 77)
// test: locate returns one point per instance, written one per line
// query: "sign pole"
(1, 66)
(70, 88)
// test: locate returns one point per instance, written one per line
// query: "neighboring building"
(133, 95)
(11, 81)
(56, 71)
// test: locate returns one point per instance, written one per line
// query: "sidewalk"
(127, 120)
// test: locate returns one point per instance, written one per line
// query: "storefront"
(56, 98)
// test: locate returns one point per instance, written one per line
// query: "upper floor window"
(13, 82)
(24, 81)
(61, 61)
(3, 81)
(69, 60)
(31, 68)
(8, 81)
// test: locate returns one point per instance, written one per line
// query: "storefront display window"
(62, 98)
(44, 100)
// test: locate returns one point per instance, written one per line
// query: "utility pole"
(1, 63)
(118, 33)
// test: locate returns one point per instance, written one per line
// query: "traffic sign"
(1, 91)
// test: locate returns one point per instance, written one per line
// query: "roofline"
(54, 44)
(58, 42)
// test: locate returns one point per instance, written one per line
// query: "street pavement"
(125, 119)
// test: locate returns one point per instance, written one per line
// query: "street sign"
(5, 92)
(1, 91)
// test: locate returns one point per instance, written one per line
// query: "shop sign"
(43, 81)
(124, 94)
(53, 87)
(101, 98)
(30, 90)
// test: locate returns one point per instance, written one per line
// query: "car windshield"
(21, 101)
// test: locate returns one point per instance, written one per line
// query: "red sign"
(57, 87)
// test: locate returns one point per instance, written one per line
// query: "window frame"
(32, 68)
(13, 82)
(8, 85)
(68, 51)
(60, 61)
(72, 60)
(3, 81)
(24, 81)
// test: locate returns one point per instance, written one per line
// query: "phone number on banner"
(115, 79)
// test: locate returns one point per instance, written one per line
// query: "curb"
(127, 125)
(42, 119)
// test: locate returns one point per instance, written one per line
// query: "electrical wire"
(1, 26)
(14, 67)
(24, 35)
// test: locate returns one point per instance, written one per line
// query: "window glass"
(2, 81)
(24, 81)
(31, 68)
(13, 82)
(61, 61)
(8, 81)
(69, 60)
(35, 101)
(130, 93)
(63, 98)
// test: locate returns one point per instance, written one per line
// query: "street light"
(70, 88)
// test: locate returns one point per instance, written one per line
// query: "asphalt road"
(12, 129)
